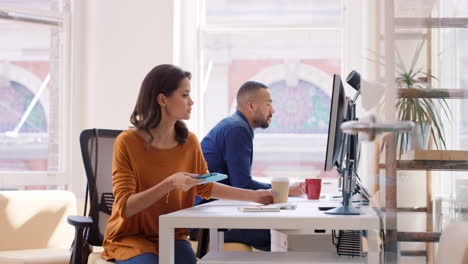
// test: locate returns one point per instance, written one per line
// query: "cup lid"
(280, 179)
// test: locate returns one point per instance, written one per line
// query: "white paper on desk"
(268, 208)
(260, 208)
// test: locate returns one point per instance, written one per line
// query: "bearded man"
(228, 149)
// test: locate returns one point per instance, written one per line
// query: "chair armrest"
(79, 221)
(203, 238)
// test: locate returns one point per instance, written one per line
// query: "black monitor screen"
(337, 112)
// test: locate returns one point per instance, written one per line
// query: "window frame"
(61, 21)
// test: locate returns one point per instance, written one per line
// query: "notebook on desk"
(268, 208)
(259, 208)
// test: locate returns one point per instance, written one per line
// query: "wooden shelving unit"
(419, 236)
(427, 165)
(392, 165)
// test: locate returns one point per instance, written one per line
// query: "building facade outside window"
(294, 47)
(35, 90)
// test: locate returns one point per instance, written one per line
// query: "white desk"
(304, 220)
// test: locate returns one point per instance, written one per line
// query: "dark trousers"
(257, 238)
(183, 255)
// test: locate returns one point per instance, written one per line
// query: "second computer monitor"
(337, 116)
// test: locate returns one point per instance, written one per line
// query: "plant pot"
(418, 139)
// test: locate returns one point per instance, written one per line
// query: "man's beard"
(263, 123)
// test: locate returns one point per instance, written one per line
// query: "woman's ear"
(161, 100)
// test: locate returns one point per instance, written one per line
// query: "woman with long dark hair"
(153, 172)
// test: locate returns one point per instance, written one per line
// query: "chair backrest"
(101, 206)
(453, 244)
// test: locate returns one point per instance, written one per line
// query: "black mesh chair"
(90, 230)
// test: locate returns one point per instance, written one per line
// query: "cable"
(359, 183)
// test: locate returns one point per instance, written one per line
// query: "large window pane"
(298, 67)
(275, 12)
(33, 77)
(462, 39)
(24, 122)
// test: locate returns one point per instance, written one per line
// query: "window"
(34, 73)
(452, 68)
(455, 41)
(294, 47)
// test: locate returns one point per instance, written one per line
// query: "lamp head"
(354, 79)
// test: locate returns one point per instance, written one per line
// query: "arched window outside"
(302, 109)
(14, 102)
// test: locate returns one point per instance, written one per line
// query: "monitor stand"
(347, 190)
(344, 210)
(349, 150)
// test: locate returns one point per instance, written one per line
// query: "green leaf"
(399, 61)
(446, 108)
(417, 53)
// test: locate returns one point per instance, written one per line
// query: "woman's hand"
(263, 196)
(183, 180)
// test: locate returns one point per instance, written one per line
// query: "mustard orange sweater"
(135, 169)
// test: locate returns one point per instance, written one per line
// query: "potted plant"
(424, 112)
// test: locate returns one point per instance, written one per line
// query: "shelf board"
(433, 93)
(415, 253)
(438, 165)
(412, 209)
(432, 165)
(418, 236)
(434, 154)
(436, 22)
(406, 210)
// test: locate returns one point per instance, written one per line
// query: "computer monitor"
(337, 116)
(342, 149)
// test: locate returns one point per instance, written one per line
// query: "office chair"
(100, 193)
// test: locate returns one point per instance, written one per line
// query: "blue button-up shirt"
(228, 149)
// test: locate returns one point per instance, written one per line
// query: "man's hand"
(183, 180)
(295, 190)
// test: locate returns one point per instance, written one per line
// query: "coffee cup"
(312, 188)
(280, 186)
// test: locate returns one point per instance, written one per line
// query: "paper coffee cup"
(281, 187)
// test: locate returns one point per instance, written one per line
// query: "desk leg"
(373, 255)
(216, 240)
(166, 243)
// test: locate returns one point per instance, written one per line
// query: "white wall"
(115, 44)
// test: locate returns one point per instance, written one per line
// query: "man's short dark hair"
(249, 88)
